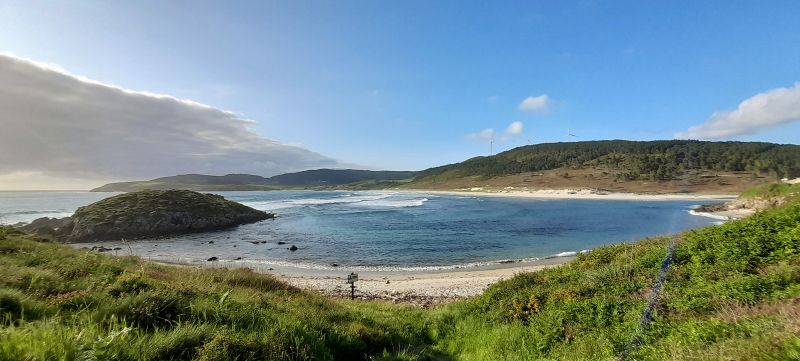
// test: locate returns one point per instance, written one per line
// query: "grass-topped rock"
(147, 214)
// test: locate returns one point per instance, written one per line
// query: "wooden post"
(351, 279)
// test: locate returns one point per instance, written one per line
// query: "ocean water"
(392, 230)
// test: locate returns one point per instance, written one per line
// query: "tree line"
(634, 160)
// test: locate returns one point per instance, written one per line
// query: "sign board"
(352, 278)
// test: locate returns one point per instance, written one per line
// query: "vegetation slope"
(732, 292)
(148, 213)
(668, 165)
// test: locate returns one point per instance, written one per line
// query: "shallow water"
(393, 230)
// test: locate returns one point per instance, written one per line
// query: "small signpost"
(351, 279)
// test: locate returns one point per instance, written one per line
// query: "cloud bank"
(485, 135)
(754, 114)
(541, 103)
(57, 124)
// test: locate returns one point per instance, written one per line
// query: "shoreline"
(420, 288)
(424, 286)
(583, 193)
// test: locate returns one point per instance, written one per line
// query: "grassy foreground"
(732, 292)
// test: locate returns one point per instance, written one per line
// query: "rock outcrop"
(147, 214)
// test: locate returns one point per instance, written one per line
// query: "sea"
(392, 230)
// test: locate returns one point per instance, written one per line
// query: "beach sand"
(583, 193)
(421, 288)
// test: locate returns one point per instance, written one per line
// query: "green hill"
(247, 182)
(145, 214)
(332, 177)
(639, 159)
(612, 163)
(731, 292)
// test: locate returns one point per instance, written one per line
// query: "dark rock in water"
(238, 258)
(507, 261)
(212, 259)
(710, 208)
(147, 214)
(210, 242)
(293, 248)
(254, 242)
(117, 248)
(281, 242)
(48, 227)
(101, 249)
(234, 246)
(334, 265)
(262, 242)
(270, 269)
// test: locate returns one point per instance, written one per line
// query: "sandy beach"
(422, 288)
(419, 288)
(583, 193)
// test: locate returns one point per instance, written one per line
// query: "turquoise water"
(395, 230)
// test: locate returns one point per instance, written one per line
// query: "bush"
(152, 309)
(129, 283)
(16, 307)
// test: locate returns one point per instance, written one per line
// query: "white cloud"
(56, 124)
(489, 134)
(541, 103)
(484, 135)
(515, 128)
(754, 114)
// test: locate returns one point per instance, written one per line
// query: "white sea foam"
(400, 203)
(358, 199)
(566, 254)
(709, 215)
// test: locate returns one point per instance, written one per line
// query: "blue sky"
(401, 85)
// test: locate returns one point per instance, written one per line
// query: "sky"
(98, 91)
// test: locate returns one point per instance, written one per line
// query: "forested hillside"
(322, 177)
(634, 160)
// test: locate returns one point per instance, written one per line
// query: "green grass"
(733, 292)
(148, 202)
(772, 190)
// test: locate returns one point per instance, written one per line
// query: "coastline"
(425, 286)
(583, 193)
(726, 215)
(593, 194)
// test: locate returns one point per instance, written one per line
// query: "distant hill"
(321, 177)
(663, 166)
(247, 182)
(623, 165)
